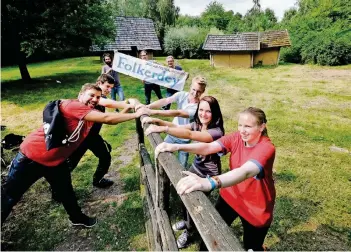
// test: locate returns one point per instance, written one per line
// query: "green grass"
(308, 110)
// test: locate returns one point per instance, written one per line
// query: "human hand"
(153, 129)
(163, 147)
(140, 105)
(142, 111)
(147, 120)
(133, 102)
(191, 183)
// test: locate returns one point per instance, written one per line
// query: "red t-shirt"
(253, 199)
(34, 147)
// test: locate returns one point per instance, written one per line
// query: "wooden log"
(215, 233)
(168, 240)
(162, 188)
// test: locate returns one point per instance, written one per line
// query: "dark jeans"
(169, 93)
(253, 236)
(100, 148)
(24, 172)
(148, 90)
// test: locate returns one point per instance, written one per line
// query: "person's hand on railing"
(140, 105)
(147, 120)
(163, 147)
(142, 111)
(191, 183)
(155, 128)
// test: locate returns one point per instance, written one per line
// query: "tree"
(53, 27)
(215, 16)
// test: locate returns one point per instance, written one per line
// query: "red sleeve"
(229, 142)
(74, 109)
(263, 153)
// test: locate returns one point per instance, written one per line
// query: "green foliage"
(319, 31)
(186, 41)
(216, 16)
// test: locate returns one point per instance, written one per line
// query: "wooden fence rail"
(155, 181)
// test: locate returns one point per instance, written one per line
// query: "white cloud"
(195, 7)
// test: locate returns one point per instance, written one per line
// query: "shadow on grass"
(47, 87)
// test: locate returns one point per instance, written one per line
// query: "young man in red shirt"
(34, 161)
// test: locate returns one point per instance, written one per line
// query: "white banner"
(149, 71)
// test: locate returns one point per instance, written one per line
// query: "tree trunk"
(21, 61)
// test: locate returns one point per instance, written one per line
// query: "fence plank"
(215, 233)
(162, 231)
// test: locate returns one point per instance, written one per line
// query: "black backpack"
(55, 132)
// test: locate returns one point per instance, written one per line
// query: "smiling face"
(249, 129)
(106, 88)
(196, 90)
(170, 61)
(205, 113)
(90, 97)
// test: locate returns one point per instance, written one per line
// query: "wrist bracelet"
(213, 183)
(219, 182)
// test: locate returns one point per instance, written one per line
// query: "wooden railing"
(155, 189)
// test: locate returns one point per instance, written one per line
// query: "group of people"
(247, 190)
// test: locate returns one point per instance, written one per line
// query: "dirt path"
(83, 239)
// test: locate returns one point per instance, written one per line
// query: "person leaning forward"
(34, 161)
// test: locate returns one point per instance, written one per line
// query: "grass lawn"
(309, 120)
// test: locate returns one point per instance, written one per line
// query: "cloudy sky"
(195, 7)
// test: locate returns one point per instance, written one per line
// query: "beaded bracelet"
(219, 182)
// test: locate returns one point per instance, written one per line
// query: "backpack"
(55, 132)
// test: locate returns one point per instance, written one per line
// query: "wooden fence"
(155, 189)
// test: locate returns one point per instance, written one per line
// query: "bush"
(186, 42)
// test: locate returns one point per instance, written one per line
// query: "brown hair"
(105, 77)
(89, 86)
(217, 118)
(107, 55)
(259, 115)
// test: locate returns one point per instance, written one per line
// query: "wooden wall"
(232, 59)
(268, 56)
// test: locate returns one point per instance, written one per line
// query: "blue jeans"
(117, 90)
(24, 172)
(182, 155)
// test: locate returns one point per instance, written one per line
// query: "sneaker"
(84, 221)
(103, 183)
(180, 225)
(182, 240)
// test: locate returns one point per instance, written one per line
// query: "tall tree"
(216, 16)
(52, 27)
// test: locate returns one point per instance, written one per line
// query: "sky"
(195, 7)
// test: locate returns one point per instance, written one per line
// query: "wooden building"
(133, 35)
(270, 44)
(233, 50)
(246, 49)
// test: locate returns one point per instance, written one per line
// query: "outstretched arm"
(109, 103)
(196, 148)
(193, 182)
(170, 113)
(113, 118)
(181, 132)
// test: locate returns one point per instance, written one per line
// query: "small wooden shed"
(133, 35)
(270, 44)
(246, 49)
(233, 50)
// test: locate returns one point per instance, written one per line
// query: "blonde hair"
(200, 80)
